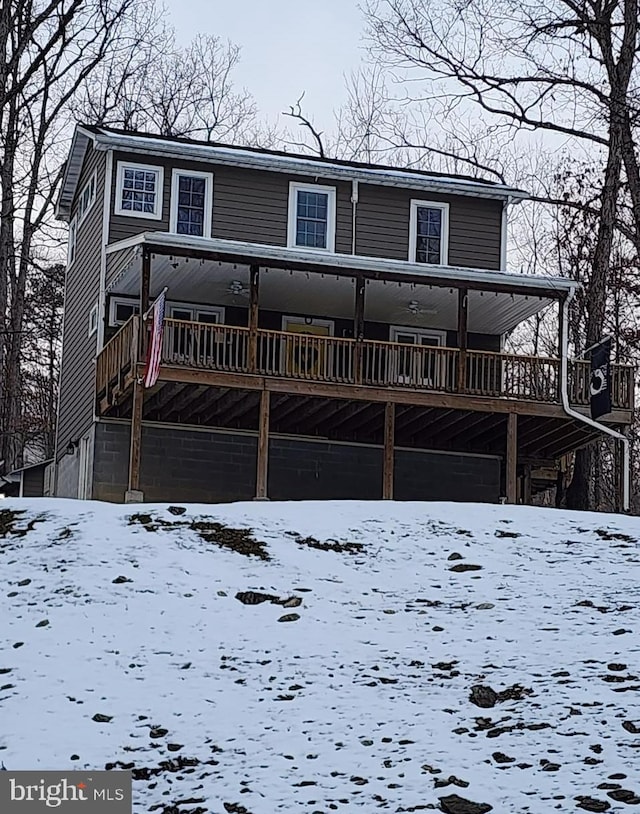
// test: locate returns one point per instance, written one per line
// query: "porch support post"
(388, 459)
(263, 447)
(358, 328)
(133, 493)
(145, 286)
(512, 458)
(526, 486)
(254, 287)
(463, 314)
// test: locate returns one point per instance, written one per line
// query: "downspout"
(503, 233)
(354, 207)
(564, 345)
(106, 220)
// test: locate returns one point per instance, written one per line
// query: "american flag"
(154, 353)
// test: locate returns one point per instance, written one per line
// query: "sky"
(287, 47)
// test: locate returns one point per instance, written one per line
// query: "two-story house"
(333, 330)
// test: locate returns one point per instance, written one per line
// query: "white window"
(191, 201)
(409, 365)
(429, 233)
(71, 245)
(121, 308)
(312, 217)
(93, 320)
(139, 191)
(86, 198)
(196, 313)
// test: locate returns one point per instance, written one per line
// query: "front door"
(412, 365)
(305, 357)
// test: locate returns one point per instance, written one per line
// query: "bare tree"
(49, 48)
(161, 88)
(562, 68)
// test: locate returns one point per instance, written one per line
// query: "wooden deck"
(191, 350)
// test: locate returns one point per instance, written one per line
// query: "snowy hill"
(318, 657)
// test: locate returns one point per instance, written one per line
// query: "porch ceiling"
(320, 294)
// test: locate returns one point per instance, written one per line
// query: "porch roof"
(515, 297)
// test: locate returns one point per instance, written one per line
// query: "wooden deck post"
(254, 288)
(133, 493)
(463, 315)
(526, 486)
(512, 458)
(145, 286)
(263, 447)
(388, 455)
(358, 329)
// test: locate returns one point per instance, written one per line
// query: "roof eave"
(73, 165)
(552, 287)
(299, 165)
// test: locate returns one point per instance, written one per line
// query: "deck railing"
(118, 358)
(331, 359)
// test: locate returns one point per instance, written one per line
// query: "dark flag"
(600, 388)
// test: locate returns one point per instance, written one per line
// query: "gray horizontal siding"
(252, 205)
(382, 226)
(248, 205)
(82, 286)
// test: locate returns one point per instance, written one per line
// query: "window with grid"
(311, 217)
(192, 192)
(139, 191)
(429, 235)
(87, 198)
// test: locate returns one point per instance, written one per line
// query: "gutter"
(298, 165)
(544, 287)
(626, 464)
(354, 208)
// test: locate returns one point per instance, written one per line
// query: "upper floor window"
(93, 320)
(86, 198)
(121, 308)
(139, 191)
(312, 217)
(71, 244)
(191, 203)
(429, 233)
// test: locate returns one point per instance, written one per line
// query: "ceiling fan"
(414, 307)
(237, 289)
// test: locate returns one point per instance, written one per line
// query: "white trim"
(301, 165)
(193, 307)
(106, 221)
(114, 302)
(208, 199)
(439, 380)
(72, 241)
(81, 215)
(432, 333)
(159, 191)
(93, 320)
(504, 235)
(413, 230)
(85, 465)
(475, 277)
(321, 323)
(330, 192)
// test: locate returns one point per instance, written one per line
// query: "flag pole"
(608, 338)
(152, 306)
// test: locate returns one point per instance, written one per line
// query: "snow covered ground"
(407, 655)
